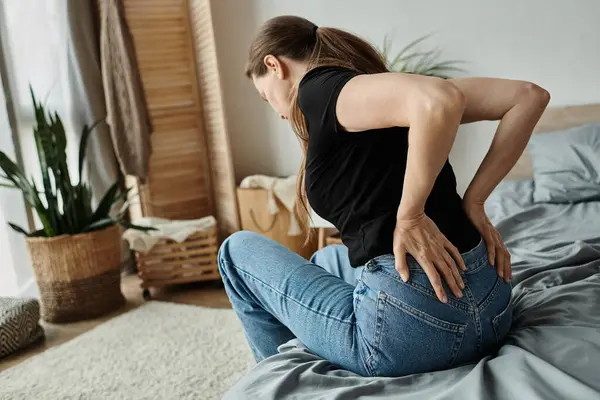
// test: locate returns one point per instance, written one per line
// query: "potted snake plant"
(76, 254)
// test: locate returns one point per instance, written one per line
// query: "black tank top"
(354, 179)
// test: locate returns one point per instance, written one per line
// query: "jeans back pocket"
(502, 323)
(409, 340)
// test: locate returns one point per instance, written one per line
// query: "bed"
(553, 349)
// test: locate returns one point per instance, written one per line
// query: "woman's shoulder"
(319, 84)
(324, 71)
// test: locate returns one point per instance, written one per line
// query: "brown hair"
(300, 40)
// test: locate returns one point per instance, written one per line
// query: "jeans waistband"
(476, 256)
(473, 258)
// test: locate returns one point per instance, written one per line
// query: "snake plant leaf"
(105, 205)
(38, 233)
(18, 229)
(123, 195)
(103, 223)
(29, 190)
(13, 173)
(100, 224)
(45, 146)
(83, 207)
(42, 212)
(85, 134)
(129, 225)
(8, 186)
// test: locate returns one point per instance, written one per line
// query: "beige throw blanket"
(127, 114)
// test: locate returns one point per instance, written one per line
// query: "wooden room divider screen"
(191, 172)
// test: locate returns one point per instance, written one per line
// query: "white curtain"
(40, 52)
(50, 45)
(36, 54)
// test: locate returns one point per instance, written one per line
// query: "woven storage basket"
(170, 262)
(79, 276)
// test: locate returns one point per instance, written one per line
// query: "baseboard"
(29, 290)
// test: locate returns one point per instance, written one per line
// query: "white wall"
(553, 43)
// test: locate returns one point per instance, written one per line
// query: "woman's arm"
(518, 105)
(433, 109)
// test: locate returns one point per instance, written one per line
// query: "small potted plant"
(76, 255)
(410, 60)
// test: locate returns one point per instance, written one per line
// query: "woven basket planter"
(79, 276)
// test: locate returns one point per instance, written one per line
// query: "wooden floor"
(207, 294)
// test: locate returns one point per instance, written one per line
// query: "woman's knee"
(237, 246)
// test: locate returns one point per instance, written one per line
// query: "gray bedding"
(553, 349)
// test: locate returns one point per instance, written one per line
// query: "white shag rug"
(157, 351)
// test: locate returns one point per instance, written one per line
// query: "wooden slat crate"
(170, 262)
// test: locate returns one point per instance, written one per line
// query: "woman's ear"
(274, 66)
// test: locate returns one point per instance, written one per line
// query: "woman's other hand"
(498, 254)
(421, 238)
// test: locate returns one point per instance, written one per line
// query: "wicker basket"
(170, 262)
(79, 276)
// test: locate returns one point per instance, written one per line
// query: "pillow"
(19, 325)
(566, 165)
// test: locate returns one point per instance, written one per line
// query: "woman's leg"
(335, 260)
(277, 295)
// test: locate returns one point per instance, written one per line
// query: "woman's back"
(355, 179)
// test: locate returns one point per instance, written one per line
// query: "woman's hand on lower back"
(421, 238)
(498, 254)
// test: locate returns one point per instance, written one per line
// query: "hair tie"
(314, 31)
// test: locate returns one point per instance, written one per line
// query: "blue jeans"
(366, 319)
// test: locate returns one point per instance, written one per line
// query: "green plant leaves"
(85, 134)
(63, 207)
(103, 223)
(99, 224)
(410, 60)
(18, 229)
(16, 175)
(129, 225)
(107, 202)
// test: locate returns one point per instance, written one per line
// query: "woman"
(422, 283)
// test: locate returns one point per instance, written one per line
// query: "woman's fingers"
(455, 273)
(454, 259)
(450, 279)
(456, 255)
(434, 278)
(499, 261)
(507, 267)
(402, 264)
(490, 244)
